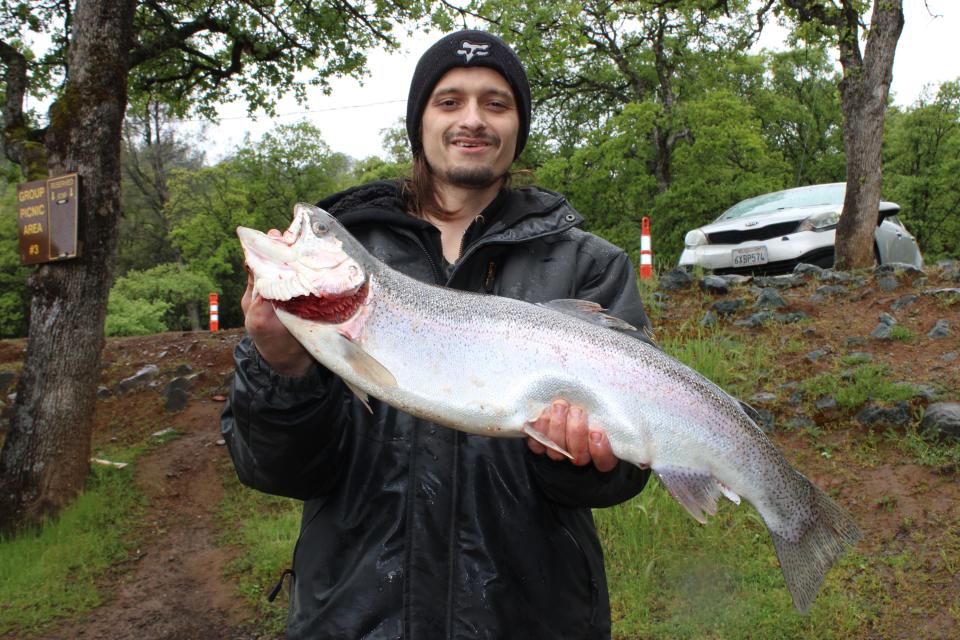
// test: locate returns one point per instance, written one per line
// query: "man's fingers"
(557, 430)
(600, 451)
(576, 436)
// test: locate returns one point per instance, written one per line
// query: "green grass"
(672, 578)
(51, 574)
(264, 528)
(734, 366)
(866, 382)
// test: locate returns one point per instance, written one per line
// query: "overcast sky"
(352, 117)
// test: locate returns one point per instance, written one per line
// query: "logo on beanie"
(472, 50)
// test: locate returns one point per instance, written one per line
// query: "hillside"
(822, 340)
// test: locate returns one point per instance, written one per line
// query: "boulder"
(942, 421)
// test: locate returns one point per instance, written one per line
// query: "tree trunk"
(45, 458)
(863, 95)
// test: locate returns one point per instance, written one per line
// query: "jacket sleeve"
(612, 284)
(283, 433)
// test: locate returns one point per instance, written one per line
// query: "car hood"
(766, 218)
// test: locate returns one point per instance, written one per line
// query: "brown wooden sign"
(47, 216)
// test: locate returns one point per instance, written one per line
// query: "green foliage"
(52, 574)
(921, 165)
(854, 388)
(672, 578)
(265, 528)
(257, 187)
(134, 317)
(14, 295)
(156, 299)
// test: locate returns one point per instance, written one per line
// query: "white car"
(774, 232)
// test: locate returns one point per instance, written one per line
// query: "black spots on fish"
(326, 309)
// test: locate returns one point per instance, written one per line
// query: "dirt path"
(175, 591)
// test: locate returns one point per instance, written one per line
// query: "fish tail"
(824, 538)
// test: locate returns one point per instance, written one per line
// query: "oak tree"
(100, 53)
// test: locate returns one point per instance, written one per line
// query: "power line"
(291, 113)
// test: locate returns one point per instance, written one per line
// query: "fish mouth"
(327, 308)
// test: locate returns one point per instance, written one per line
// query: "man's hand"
(566, 425)
(276, 345)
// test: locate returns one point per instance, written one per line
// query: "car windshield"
(792, 198)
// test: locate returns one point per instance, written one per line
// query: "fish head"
(313, 270)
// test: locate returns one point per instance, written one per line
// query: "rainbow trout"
(496, 363)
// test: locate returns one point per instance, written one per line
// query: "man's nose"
(473, 116)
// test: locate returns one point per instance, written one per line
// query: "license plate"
(749, 256)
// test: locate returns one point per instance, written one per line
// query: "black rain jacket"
(412, 530)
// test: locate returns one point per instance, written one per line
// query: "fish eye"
(320, 228)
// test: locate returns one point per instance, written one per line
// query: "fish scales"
(489, 365)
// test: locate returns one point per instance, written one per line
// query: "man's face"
(469, 128)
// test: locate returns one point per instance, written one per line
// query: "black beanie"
(469, 48)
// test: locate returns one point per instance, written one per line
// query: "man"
(411, 530)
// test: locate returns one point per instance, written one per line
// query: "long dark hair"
(418, 193)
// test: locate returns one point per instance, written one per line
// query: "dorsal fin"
(589, 311)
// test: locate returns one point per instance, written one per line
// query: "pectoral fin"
(544, 440)
(365, 365)
(361, 395)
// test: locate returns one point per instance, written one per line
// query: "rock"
(856, 341)
(138, 380)
(763, 397)
(709, 319)
(886, 417)
(858, 357)
(942, 421)
(760, 317)
(728, 307)
(787, 281)
(808, 332)
(882, 332)
(176, 400)
(904, 301)
(816, 354)
(675, 280)
(770, 298)
(941, 329)
(181, 383)
(7, 379)
(950, 356)
(800, 422)
(898, 268)
(826, 403)
(796, 398)
(807, 269)
(734, 279)
(946, 291)
(765, 420)
(888, 283)
(714, 284)
(887, 319)
(826, 290)
(221, 442)
(920, 390)
(755, 319)
(169, 431)
(862, 293)
(103, 392)
(183, 369)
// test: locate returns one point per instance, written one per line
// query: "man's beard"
(471, 177)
